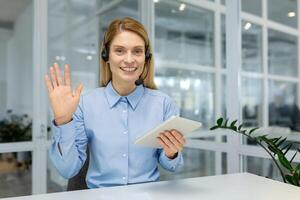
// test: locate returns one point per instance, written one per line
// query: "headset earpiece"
(105, 54)
(148, 55)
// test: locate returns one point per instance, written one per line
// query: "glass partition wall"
(16, 98)
(189, 40)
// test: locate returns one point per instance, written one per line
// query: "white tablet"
(183, 125)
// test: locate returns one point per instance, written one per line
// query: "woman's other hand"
(172, 142)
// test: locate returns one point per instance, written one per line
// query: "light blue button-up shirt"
(109, 124)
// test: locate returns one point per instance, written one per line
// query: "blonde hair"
(116, 27)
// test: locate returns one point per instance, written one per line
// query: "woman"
(110, 118)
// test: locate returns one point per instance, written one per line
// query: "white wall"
(20, 64)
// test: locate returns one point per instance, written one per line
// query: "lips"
(128, 69)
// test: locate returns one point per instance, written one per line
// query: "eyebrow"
(116, 46)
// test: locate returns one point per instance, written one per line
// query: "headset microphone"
(148, 56)
(138, 82)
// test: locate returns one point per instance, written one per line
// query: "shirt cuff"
(172, 164)
(67, 129)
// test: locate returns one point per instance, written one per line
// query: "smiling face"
(126, 58)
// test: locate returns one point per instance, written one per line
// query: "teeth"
(128, 69)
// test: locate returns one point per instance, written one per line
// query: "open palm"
(63, 100)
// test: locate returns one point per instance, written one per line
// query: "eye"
(119, 51)
(138, 52)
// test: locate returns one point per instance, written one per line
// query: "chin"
(128, 79)
(131, 80)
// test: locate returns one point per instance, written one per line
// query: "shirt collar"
(133, 98)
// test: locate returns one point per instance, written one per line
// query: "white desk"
(243, 186)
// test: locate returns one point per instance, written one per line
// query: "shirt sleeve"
(170, 164)
(170, 109)
(72, 140)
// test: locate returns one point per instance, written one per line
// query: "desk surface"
(242, 186)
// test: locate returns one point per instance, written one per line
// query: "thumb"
(78, 90)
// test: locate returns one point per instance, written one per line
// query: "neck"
(123, 89)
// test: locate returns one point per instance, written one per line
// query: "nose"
(129, 58)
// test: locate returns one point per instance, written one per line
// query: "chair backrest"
(78, 182)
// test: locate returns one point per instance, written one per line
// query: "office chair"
(78, 182)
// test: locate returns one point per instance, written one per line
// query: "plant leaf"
(298, 168)
(252, 130)
(225, 124)
(272, 149)
(240, 127)
(280, 142)
(270, 144)
(288, 148)
(233, 123)
(213, 128)
(276, 139)
(296, 178)
(284, 162)
(264, 138)
(293, 157)
(290, 179)
(233, 128)
(220, 121)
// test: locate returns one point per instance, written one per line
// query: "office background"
(189, 39)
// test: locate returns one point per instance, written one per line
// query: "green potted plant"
(276, 147)
(15, 128)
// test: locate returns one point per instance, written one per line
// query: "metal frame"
(39, 169)
(218, 82)
(233, 63)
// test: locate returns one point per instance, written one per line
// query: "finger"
(173, 140)
(178, 136)
(48, 83)
(176, 132)
(165, 147)
(58, 74)
(161, 143)
(67, 75)
(168, 142)
(168, 152)
(53, 77)
(78, 90)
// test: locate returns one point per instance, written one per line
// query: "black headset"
(148, 55)
(104, 54)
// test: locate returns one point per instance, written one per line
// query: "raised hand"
(63, 100)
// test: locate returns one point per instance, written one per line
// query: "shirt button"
(124, 111)
(124, 155)
(123, 177)
(125, 132)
